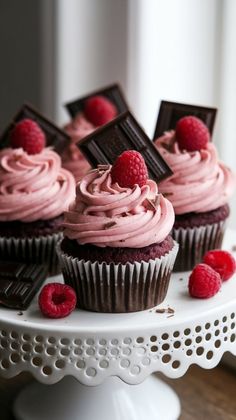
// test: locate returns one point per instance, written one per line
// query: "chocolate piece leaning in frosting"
(171, 112)
(19, 283)
(113, 93)
(55, 137)
(104, 145)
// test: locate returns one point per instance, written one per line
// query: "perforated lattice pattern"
(132, 357)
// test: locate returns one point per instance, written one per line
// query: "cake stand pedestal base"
(114, 399)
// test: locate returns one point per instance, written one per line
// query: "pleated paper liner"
(41, 250)
(195, 242)
(103, 287)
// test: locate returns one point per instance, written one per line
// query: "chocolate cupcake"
(116, 251)
(88, 113)
(72, 158)
(34, 192)
(199, 190)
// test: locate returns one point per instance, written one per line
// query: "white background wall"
(157, 49)
(91, 47)
(177, 59)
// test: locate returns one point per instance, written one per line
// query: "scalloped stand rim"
(114, 399)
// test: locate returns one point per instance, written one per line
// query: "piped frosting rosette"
(33, 187)
(105, 214)
(72, 158)
(200, 182)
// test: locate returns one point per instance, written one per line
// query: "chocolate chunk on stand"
(105, 144)
(171, 112)
(55, 137)
(113, 93)
(19, 283)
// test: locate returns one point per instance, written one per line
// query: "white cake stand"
(100, 365)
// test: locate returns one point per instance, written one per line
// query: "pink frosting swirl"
(104, 214)
(72, 158)
(33, 187)
(200, 181)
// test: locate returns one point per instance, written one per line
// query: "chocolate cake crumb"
(109, 225)
(151, 203)
(170, 316)
(105, 167)
(165, 310)
(170, 311)
(157, 200)
(233, 249)
(181, 279)
(167, 194)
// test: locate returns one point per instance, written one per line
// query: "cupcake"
(117, 252)
(88, 113)
(199, 190)
(34, 192)
(72, 158)
(97, 111)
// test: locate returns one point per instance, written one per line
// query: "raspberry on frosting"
(99, 110)
(191, 134)
(129, 169)
(28, 135)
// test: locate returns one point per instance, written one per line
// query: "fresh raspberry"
(191, 134)
(99, 110)
(28, 135)
(204, 282)
(129, 169)
(222, 262)
(57, 300)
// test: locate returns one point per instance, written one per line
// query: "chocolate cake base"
(117, 287)
(116, 255)
(190, 220)
(38, 228)
(197, 233)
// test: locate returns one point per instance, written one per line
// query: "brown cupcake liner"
(195, 242)
(102, 287)
(39, 250)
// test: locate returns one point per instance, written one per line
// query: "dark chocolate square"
(19, 283)
(106, 143)
(171, 112)
(55, 137)
(113, 93)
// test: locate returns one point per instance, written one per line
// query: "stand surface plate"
(95, 347)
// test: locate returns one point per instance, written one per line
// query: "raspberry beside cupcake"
(116, 251)
(34, 192)
(199, 190)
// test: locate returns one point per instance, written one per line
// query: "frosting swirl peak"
(200, 182)
(33, 187)
(105, 214)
